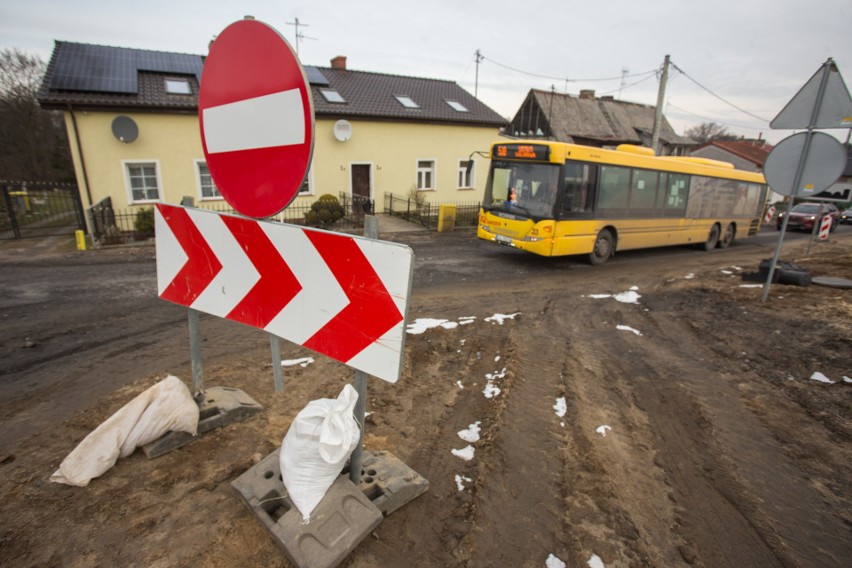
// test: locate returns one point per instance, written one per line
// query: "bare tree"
(707, 132)
(33, 145)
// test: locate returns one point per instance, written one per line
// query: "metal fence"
(112, 226)
(417, 211)
(39, 209)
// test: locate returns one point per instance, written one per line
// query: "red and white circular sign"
(257, 118)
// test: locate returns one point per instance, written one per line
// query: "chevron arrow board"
(342, 296)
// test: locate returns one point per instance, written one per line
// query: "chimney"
(339, 62)
(587, 94)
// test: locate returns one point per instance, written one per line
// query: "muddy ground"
(693, 436)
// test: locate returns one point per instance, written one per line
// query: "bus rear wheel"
(602, 249)
(712, 238)
(727, 236)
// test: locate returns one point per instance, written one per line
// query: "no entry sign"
(257, 119)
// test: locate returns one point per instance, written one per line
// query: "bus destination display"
(522, 152)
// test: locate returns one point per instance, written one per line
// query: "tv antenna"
(299, 35)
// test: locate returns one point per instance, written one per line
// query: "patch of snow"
(422, 325)
(817, 376)
(728, 272)
(602, 430)
(689, 276)
(500, 318)
(472, 433)
(629, 297)
(491, 390)
(303, 362)
(465, 320)
(465, 453)
(628, 328)
(553, 562)
(560, 407)
(461, 480)
(847, 380)
(600, 296)
(595, 562)
(497, 359)
(751, 285)
(460, 385)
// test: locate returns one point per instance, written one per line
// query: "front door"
(361, 190)
(361, 181)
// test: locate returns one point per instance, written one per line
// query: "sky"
(735, 63)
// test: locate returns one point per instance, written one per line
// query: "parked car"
(804, 215)
(846, 217)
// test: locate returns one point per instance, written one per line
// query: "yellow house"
(132, 123)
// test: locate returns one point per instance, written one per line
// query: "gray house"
(602, 122)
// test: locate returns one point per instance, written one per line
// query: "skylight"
(406, 101)
(332, 96)
(457, 106)
(178, 87)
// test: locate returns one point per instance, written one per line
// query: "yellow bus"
(554, 199)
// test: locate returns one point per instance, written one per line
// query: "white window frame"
(125, 167)
(177, 86)
(462, 173)
(433, 170)
(200, 188)
(406, 101)
(309, 179)
(333, 96)
(456, 106)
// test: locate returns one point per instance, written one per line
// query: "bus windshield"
(522, 188)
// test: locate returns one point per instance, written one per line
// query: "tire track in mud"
(520, 480)
(686, 505)
(731, 487)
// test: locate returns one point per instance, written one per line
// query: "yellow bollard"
(446, 218)
(81, 240)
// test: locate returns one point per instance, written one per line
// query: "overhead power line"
(555, 78)
(727, 102)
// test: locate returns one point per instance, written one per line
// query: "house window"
(332, 96)
(143, 181)
(465, 175)
(457, 106)
(425, 174)
(406, 101)
(307, 186)
(178, 87)
(206, 186)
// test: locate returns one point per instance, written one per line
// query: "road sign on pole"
(257, 120)
(342, 296)
(823, 102)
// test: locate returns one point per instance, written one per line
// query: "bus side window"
(677, 189)
(578, 196)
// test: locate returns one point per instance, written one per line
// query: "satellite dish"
(124, 129)
(342, 130)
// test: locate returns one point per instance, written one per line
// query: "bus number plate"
(503, 240)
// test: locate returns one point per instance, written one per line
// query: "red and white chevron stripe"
(342, 296)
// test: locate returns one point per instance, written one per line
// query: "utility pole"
(476, 85)
(624, 72)
(658, 113)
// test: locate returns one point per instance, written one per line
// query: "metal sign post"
(823, 102)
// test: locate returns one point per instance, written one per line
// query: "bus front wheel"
(712, 238)
(728, 236)
(602, 249)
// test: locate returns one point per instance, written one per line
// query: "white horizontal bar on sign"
(261, 122)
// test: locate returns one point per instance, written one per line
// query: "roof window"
(332, 96)
(406, 101)
(178, 86)
(457, 106)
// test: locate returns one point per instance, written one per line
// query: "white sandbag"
(316, 447)
(166, 406)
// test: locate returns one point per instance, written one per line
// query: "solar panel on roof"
(82, 67)
(315, 76)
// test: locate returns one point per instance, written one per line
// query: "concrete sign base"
(220, 406)
(345, 516)
(338, 524)
(388, 482)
